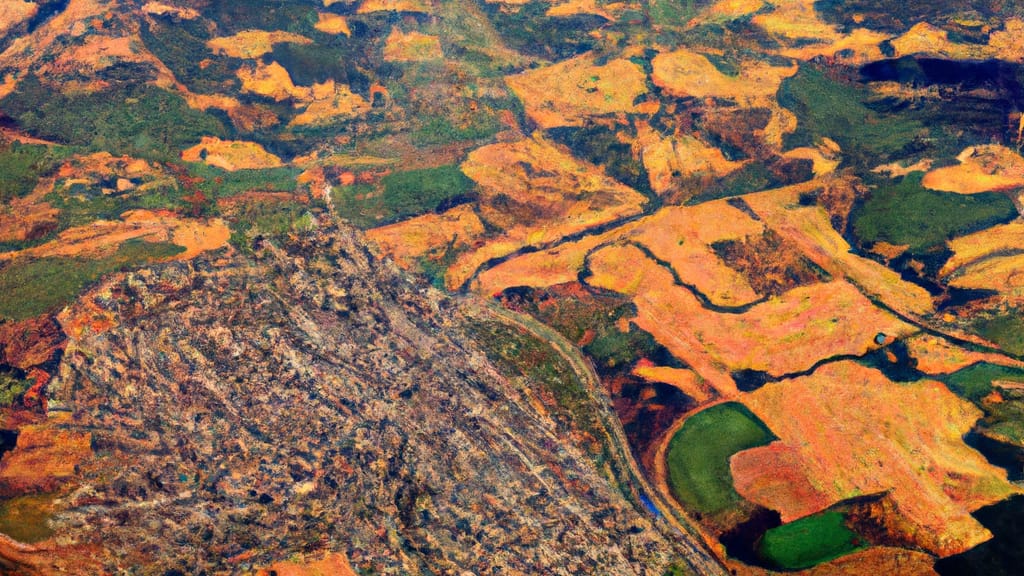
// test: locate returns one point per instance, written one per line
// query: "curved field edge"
(698, 455)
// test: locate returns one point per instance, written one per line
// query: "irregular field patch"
(809, 541)
(698, 456)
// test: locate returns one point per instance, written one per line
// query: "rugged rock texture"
(310, 398)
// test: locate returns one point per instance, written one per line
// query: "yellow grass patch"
(253, 43)
(566, 93)
(538, 193)
(369, 6)
(853, 432)
(1002, 273)
(898, 169)
(329, 102)
(230, 155)
(417, 237)
(1008, 43)
(683, 156)
(809, 228)
(574, 7)
(793, 20)
(8, 85)
(863, 44)
(924, 38)
(783, 335)
(14, 12)
(797, 20)
(686, 381)
(161, 9)
(332, 24)
(825, 158)
(271, 80)
(937, 355)
(982, 244)
(411, 47)
(101, 238)
(687, 73)
(679, 235)
(984, 168)
(682, 237)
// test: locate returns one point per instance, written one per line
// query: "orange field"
(782, 335)
(565, 93)
(414, 238)
(850, 431)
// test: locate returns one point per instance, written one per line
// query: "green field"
(907, 213)
(835, 110)
(1006, 330)
(400, 195)
(698, 456)
(21, 166)
(975, 381)
(808, 541)
(29, 288)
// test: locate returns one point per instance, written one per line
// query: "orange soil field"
(538, 193)
(809, 228)
(102, 237)
(679, 235)
(985, 168)
(846, 430)
(936, 355)
(989, 259)
(253, 43)
(687, 73)
(332, 24)
(230, 155)
(566, 93)
(783, 335)
(333, 564)
(329, 101)
(411, 239)
(667, 159)
(44, 455)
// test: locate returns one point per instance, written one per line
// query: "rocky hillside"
(312, 399)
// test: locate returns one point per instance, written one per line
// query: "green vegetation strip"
(809, 541)
(29, 288)
(906, 213)
(975, 381)
(698, 455)
(21, 165)
(835, 110)
(515, 351)
(1006, 330)
(400, 195)
(11, 389)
